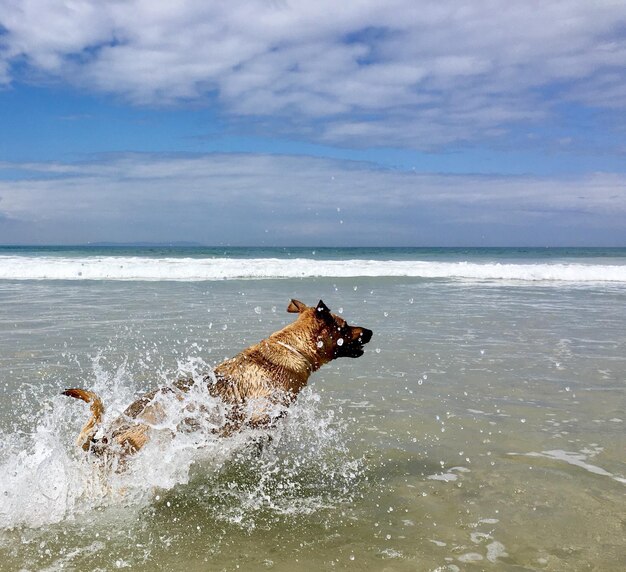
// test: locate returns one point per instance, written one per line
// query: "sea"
(484, 428)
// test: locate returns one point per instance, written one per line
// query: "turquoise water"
(482, 429)
(326, 253)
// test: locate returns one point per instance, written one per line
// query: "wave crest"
(200, 269)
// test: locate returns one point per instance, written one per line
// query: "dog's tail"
(97, 410)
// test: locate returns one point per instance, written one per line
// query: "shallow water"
(482, 429)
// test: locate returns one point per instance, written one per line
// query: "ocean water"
(483, 429)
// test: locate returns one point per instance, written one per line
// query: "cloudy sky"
(284, 122)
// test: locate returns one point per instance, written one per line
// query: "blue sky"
(296, 123)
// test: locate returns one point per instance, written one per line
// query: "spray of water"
(299, 466)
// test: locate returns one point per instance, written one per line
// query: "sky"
(283, 122)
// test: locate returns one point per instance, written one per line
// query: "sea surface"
(483, 429)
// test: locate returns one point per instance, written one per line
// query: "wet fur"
(271, 372)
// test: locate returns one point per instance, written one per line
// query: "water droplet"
(340, 342)
(320, 344)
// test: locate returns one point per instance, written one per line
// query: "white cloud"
(265, 199)
(449, 70)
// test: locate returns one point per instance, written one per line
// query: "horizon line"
(186, 244)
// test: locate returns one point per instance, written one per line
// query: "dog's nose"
(366, 335)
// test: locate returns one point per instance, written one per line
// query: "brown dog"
(266, 374)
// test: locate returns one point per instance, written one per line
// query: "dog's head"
(331, 335)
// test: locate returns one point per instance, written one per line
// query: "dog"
(268, 374)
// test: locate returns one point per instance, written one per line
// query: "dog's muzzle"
(355, 348)
(366, 336)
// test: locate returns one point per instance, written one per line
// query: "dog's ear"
(296, 307)
(322, 308)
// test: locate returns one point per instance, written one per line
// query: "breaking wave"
(199, 269)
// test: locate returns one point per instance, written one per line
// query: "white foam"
(479, 537)
(496, 550)
(577, 460)
(449, 476)
(470, 557)
(198, 269)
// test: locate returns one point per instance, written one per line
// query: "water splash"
(298, 467)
